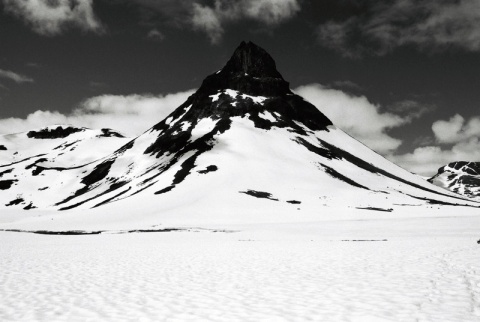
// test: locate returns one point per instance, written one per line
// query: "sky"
(401, 76)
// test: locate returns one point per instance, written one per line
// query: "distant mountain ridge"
(243, 143)
(461, 177)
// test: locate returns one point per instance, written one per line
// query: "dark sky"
(417, 62)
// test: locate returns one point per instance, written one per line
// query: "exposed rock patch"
(56, 133)
(6, 184)
(259, 194)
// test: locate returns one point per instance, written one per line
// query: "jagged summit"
(250, 70)
(248, 86)
(253, 60)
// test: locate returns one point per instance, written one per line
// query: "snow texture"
(384, 269)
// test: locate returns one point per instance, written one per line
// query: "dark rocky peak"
(249, 86)
(108, 133)
(472, 168)
(54, 132)
(251, 70)
(250, 59)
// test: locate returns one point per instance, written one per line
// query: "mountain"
(461, 177)
(56, 148)
(242, 144)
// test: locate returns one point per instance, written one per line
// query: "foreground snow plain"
(364, 266)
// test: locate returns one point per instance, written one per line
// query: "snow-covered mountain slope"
(461, 177)
(56, 148)
(59, 142)
(242, 144)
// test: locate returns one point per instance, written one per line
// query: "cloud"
(426, 160)
(206, 19)
(457, 139)
(385, 25)
(271, 11)
(17, 78)
(208, 16)
(211, 19)
(52, 17)
(156, 35)
(456, 129)
(131, 114)
(356, 116)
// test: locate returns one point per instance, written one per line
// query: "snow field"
(290, 272)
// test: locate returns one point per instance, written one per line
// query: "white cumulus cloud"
(356, 116)
(47, 17)
(426, 160)
(456, 129)
(458, 140)
(130, 114)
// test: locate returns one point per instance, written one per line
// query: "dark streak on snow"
(259, 194)
(143, 188)
(164, 190)
(51, 232)
(5, 172)
(438, 202)
(39, 169)
(365, 240)
(325, 153)
(341, 177)
(97, 232)
(110, 199)
(29, 206)
(294, 202)
(17, 162)
(85, 189)
(210, 168)
(15, 202)
(64, 146)
(376, 209)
